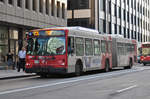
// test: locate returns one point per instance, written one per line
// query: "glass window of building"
(138, 7)
(58, 9)
(3, 43)
(10, 2)
(115, 28)
(27, 4)
(124, 32)
(102, 5)
(83, 4)
(128, 16)
(128, 2)
(135, 20)
(1, 0)
(124, 14)
(101, 25)
(109, 7)
(47, 7)
(115, 10)
(41, 6)
(34, 5)
(63, 10)
(53, 7)
(19, 3)
(131, 3)
(119, 12)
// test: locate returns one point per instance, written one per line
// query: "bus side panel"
(71, 63)
(92, 63)
(114, 53)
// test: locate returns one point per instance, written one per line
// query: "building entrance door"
(14, 48)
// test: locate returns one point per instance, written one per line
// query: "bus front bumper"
(48, 70)
(145, 62)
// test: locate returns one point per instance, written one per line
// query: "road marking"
(72, 80)
(125, 89)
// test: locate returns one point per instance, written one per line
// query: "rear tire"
(144, 64)
(107, 67)
(130, 65)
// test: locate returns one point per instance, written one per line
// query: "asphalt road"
(118, 84)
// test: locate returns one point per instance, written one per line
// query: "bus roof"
(146, 43)
(71, 28)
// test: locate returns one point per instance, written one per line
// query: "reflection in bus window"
(145, 51)
(96, 47)
(46, 46)
(88, 47)
(70, 45)
(103, 46)
(30, 46)
(79, 47)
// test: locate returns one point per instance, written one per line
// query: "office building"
(129, 18)
(19, 16)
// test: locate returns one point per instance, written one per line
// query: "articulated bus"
(145, 53)
(76, 50)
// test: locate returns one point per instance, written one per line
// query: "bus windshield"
(46, 46)
(145, 51)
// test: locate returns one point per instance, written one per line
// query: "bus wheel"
(78, 69)
(144, 64)
(130, 65)
(106, 67)
(43, 75)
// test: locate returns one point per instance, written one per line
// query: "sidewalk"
(10, 74)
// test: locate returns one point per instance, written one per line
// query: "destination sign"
(47, 33)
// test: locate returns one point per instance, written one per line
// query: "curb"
(14, 77)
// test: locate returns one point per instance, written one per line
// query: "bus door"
(121, 54)
(71, 55)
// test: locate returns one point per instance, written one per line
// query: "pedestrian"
(10, 59)
(22, 56)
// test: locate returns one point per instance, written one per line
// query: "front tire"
(107, 67)
(78, 69)
(43, 75)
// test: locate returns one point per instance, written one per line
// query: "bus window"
(97, 47)
(109, 47)
(70, 45)
(103, 46)
(121, 49)
(88, 47)
(79, 46)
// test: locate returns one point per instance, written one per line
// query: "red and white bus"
(145, 53)
(124, 52)
(76, 50)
